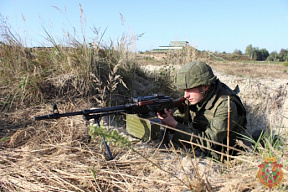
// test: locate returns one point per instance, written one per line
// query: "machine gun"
(137, 105)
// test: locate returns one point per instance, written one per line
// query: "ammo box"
(142, 128)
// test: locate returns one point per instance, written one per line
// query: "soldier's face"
(194, 95)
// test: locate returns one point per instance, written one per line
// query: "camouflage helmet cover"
(195, 74)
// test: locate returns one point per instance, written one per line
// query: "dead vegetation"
(60, 155)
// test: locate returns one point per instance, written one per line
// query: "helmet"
(195, 74)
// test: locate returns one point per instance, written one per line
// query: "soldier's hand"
(167, 118)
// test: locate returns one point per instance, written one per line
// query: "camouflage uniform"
(209, 117)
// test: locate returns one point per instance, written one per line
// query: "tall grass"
(97, 71)
(76, 69)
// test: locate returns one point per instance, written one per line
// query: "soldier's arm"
(216, 130)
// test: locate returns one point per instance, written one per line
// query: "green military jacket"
(209, 118)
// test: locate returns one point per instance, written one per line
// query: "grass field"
(59, 155)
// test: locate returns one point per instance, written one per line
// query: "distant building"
(173, 46)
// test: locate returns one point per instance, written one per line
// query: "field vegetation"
(67, 154)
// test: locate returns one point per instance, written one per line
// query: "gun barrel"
(58, 115)
(85, 112)
(141, 105)
(50, 116)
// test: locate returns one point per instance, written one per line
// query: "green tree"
(237, 51)
(255, 54)
(273, 56)
(283, 55)
(264, 54)
(249, 51)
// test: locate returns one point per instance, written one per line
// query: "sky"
(213, 25)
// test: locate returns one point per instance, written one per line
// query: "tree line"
(263, 54)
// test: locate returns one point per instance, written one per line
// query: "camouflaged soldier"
(206, 110)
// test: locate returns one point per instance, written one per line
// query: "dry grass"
(58, 156)
(251, 69)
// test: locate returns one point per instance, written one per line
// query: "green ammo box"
(142, 128)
